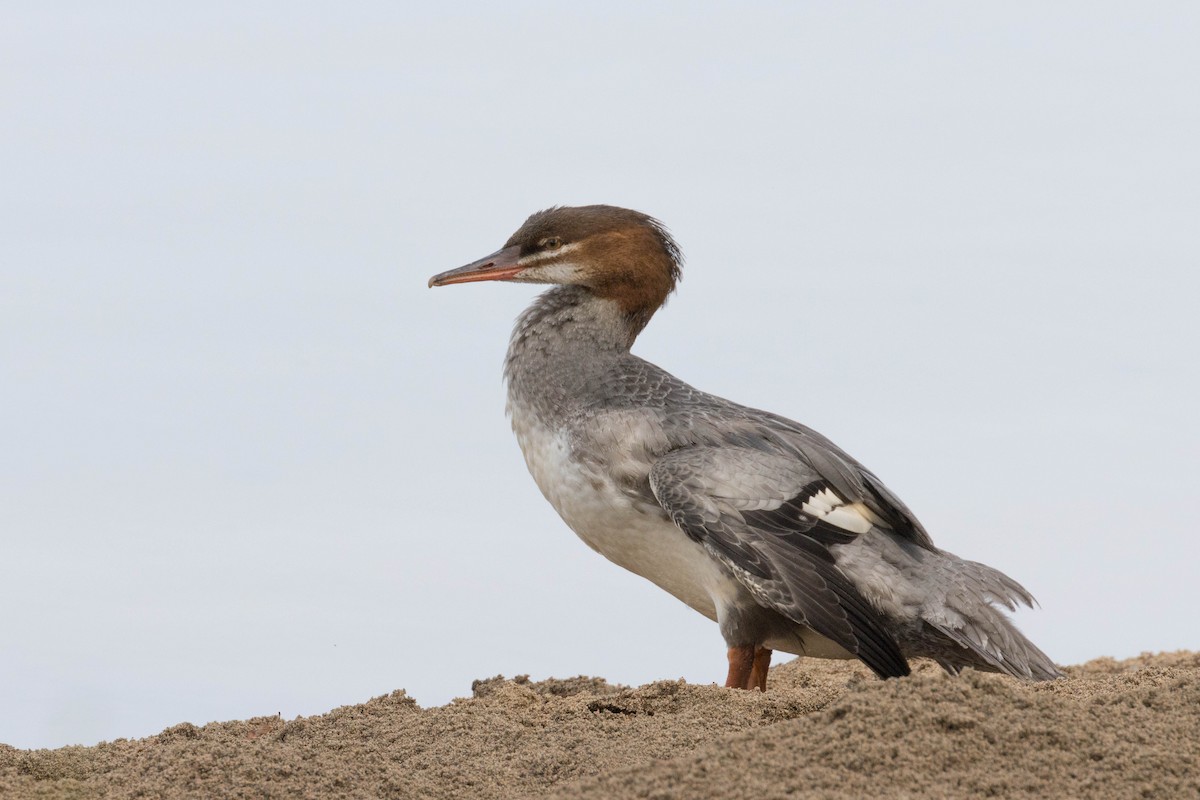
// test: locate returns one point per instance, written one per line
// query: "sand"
(824, 729)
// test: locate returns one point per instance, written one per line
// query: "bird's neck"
(562, 343)
(572, 319)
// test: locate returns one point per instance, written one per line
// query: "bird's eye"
(551, 243)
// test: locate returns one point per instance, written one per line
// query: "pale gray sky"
(249, 464)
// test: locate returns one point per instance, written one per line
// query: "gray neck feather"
(560, 348)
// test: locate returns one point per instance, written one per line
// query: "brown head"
(617, 254)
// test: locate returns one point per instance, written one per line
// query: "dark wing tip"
(841, 614)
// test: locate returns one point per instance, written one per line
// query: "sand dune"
(825, 729)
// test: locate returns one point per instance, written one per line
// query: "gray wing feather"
(851, 479)
(710, 493)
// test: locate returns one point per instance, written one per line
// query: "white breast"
(628, 532)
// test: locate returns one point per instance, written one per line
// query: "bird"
(757, 522)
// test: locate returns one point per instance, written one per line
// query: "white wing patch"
(826, 506)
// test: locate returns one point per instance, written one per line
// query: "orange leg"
(758, 673)
(748, 667)
(741, 664)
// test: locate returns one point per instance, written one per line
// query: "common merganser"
(759, 523)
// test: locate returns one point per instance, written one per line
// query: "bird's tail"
(944, 607)
(969, 612)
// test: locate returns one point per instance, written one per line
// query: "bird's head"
(615, 253)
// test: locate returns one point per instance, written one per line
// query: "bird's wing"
(850, 479)
(771, 518)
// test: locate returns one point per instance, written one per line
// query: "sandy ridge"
(826, 729)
